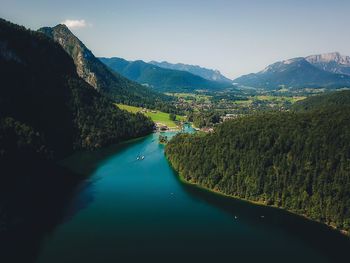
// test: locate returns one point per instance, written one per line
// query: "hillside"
(160, 79)
(294, 73)
(46, 109)
(205, 73)
(334, 99)
(99, 76)
(296, 161)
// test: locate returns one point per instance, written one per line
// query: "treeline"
(319, 102)
(203, 119)
(46, 110)
(299, 161)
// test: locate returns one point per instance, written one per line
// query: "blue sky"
(235, 37)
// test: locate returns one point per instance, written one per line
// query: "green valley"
(174, 131)
(155, 115)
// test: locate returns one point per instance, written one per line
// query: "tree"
(172, 117)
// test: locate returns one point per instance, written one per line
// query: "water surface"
(130, 210)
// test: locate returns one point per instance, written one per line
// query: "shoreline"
(260, 203)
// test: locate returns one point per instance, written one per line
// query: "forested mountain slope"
(93, 71)
(333, 99)
(206, 73)
(46, 109)
(297, 161)
(161, 79)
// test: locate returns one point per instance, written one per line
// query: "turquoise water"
(130, 210)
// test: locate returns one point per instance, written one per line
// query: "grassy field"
(157, 116)
(280, 98)
(273, 99)
(243, 102)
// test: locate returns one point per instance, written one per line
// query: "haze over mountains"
(327, 71)
(160, 78)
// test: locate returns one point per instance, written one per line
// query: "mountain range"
(98, 75)
(161, 79)
(327, 71)
(206, 73)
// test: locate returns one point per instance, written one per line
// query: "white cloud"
(75, 24)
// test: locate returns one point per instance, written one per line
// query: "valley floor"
(158, 117)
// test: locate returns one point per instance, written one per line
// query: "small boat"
(138, 158)
(236, 217)
(143, 157)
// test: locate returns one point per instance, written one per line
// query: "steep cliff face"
(332, 62)
(83, 58)
(98, 75)
(329, 57)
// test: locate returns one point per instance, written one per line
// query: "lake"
(130, 210)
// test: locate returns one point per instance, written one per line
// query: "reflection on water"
(332, 244)
(33, 200)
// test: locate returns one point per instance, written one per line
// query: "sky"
(236, 37)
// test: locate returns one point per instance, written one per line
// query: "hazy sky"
(235, 37)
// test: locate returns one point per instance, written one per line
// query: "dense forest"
(203, 119)
(296, 160)
(319, 102)
(46, 109)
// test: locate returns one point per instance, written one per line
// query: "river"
(130, 210)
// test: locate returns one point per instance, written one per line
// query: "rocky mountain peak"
(283, 65)
(333, 62)
(329, 57)
(76, 49)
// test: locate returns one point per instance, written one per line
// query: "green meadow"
(155, 115)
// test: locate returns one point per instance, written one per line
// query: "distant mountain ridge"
(309, 72)
(209, 74)
(97, 74)
(332, 62)
(161, 79)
